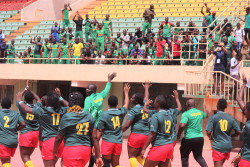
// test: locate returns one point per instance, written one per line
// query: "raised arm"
(146, 86)
(241, 93)
(24, 107)
(64, 102)
(69, 7)
(105, 92)
(126, 91)
(176, 97)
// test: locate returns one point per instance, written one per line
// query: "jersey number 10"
(223, 125)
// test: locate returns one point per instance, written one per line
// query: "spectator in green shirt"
(193, 141)
(247, 25)
(65, 14)
(210, 19)
(11, 51)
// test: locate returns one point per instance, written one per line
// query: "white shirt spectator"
(100, 60)
(125, 38)
(234, 71)
(239, 35)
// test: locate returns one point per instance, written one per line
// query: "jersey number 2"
(223, 125)
(116, 122)
(80, 127)
(167, 126)
(7, 119)
(56, 118)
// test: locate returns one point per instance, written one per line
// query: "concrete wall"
(50, 9)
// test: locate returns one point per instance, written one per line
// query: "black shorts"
(247, 33)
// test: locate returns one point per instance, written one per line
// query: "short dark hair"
(6, 103)
(53, 101)
(76, 98)
(164, 101)
(113, 101)
(139, 98)
(222, 104)
(28, 96)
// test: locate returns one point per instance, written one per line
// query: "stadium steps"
(21, 30)
(14, 18)
(90, 7)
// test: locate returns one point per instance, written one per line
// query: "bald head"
(190, 103)
(91, 89)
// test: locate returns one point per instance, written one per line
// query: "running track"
(37, 160)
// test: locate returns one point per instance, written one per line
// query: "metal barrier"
(115, 60)
(216, 84)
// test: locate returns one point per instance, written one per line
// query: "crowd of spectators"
(171, 45)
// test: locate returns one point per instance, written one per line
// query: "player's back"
(9, 120)
(222, 125)
(111, 123)
(49, 119)
(76, 127)
(162, 124)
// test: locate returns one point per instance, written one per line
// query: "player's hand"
(127, 88)
(176, 94)
(112, 34)
(244, 78)
(57, 90)
(19, 96)
(99, 162)
(111, 76)
(236, 159)
(148, 102)
(142, 153)
(147, 84)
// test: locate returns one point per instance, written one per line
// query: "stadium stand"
(9, 5)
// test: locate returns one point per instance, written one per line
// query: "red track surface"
(37, 159)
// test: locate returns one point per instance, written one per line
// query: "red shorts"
(244, 163)
(108, 148)
(47, 149)
(40, 143)
(6, 152)
(218, 156)
(81, 156)
(161, 153)
(29, 139)
(175, 142)
(136, 140)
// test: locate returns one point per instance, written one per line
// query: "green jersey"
(221, 124)
(231, 38)
(111, 121)
(100, 35)
(140, 120)
(66, 14)
(46, 50)
(229, 48)
(9, 120)
(193, 120)
(94, 29)
(247, 20)
(162, 124)
(166, 29)
(174, 113)
(11, 48)
(106, 24)
(54, 48)
(76, 128)
(217, 36)
(94, 103)
(87, 25)
(49, 120)
(178, 30)
(117, 40)
(65, 50)
(210, 19)
(246, 140)
(32, 121)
